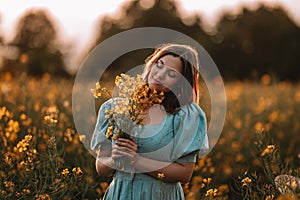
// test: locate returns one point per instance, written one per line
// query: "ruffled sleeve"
(99, 135)
(190, 131)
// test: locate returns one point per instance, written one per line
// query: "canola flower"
(134, 97)
(43, 197)
(23, 144)
(246, 181)
(212, 192)
(270, 197)
(77, 171)
(268, 150)
(51, 116)
(65, 172)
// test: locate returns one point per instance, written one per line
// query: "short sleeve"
(190, 139)
(99, 135)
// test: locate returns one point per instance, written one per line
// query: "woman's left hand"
(127, 147)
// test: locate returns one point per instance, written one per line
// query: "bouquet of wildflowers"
(134, 97)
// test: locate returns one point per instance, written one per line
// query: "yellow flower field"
(42, 156)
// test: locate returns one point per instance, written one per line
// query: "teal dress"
(178, 138)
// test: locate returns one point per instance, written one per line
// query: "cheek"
(171, 82)
(150, 72)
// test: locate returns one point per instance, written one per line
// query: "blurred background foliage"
(244, 46)
(34, 49)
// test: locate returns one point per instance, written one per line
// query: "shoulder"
(190, 116)
(190, 111)
(107, 104)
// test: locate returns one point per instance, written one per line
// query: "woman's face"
(165, 73)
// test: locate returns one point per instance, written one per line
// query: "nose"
(161, 74)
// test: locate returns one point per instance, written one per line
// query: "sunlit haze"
(76, 19)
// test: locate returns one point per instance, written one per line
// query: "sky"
(76, 19)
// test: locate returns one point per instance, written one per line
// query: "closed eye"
(173, 74)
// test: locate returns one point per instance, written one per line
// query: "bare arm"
(168, 171)
(104, 161)
(173, 172)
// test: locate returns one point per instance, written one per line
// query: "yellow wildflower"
(269, 197)
(77, 170)
(98, 85)
(116, 136)
(160, 176)
(43, 197)
(82, 137)
(109, 131)
(2, 111)
(23, 116)
(223, 189)
(52, 109)
(50, 119)
(3, 193)
(12, 126)
(23, 144)
(134, 96)
(211, 192)
(26, 191)
(246, 181)
(207, 180)
(65, 172)
(97, 93)
(293, 185)
(259, 127)
(268, 150)
(10, 185)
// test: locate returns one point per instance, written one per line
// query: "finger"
(116, 154)
(116, 157)
(128, 155)
(126, 149)
(124, 144)
(118, 148)
(129, 141)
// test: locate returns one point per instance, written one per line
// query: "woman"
(164, 154)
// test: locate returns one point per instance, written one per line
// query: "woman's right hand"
(124, 148)
(116, 153)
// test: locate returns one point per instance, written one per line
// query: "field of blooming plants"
(42, 156)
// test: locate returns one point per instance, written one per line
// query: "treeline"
(244, 46)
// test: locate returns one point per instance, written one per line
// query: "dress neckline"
(157, 124)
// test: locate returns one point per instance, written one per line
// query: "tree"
(244, 46)
(36, 43)
(258, 42)
(158, 13)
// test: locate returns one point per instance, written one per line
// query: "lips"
(155, 82)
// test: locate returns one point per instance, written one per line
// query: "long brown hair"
(190, 72)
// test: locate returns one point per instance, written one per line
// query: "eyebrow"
(171, 69)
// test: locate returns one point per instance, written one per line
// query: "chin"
(156, 87)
